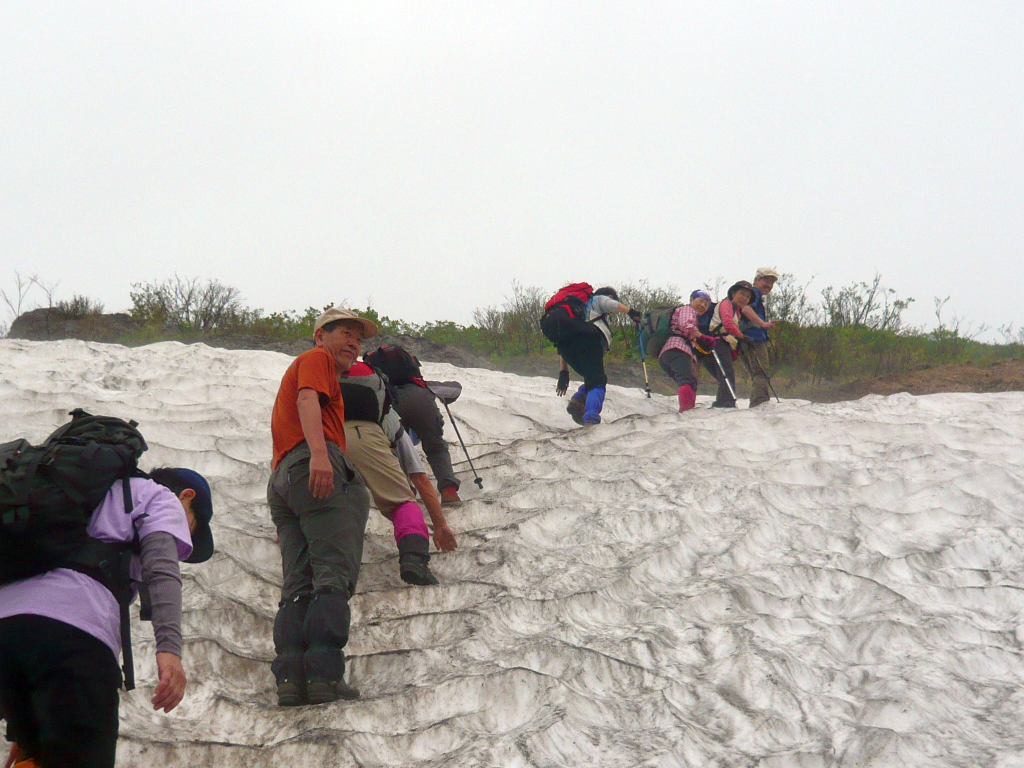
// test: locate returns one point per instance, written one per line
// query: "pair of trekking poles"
(718, 361)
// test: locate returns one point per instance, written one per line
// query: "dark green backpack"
(48, 494)
(658, 328)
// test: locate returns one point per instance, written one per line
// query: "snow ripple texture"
(802, 585)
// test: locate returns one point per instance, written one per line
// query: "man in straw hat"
(320, 505)
(755, 326)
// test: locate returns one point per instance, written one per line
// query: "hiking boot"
(414, 569)
(290, 695)
(575, 409)
(723, 405)
(326, 692)
(450, 496)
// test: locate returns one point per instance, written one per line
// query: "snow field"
(801, 585)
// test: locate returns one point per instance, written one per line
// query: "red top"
(314, 370)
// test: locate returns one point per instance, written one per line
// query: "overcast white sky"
(425, 155)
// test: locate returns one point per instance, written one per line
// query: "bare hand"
(14, 756)
(444, 538)
(171, 687)
(321, 476)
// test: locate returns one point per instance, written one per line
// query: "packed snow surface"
(799, 585)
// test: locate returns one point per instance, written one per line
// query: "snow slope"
(802, 585)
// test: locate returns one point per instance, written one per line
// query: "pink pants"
(408, 518)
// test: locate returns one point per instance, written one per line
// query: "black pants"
(724, 397)
(679, 367)
(58, 692)
(420, 413)
(584, 352)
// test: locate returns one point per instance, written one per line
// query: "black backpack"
(48, 494)
(395, 363)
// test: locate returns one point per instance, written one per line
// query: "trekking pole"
(728, 383)
(643, 359)
(476, 478)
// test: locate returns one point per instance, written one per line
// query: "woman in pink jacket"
(677, 357)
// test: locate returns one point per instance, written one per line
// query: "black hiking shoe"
(415, 570)
(326, 692)
(575, 409)
(290, 695)
(723, 405)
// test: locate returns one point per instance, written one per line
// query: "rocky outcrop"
(49, 324)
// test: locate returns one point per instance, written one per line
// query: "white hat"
(767, 272)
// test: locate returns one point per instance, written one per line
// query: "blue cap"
(699, 294)
(202, 508)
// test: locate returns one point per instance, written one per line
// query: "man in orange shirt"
(319, 504)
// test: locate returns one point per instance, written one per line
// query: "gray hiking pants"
(420, 413)
(755, 360)
(321, 550)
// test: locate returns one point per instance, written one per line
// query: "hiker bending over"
(60, 632)
(319, 504)
(419, 413)
(368, 447)
(677, 356)
(755, 327)
(575, 320)
(724, 328)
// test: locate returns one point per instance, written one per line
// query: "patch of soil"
(1002, 376)
(50, 324)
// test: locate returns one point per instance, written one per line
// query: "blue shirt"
(755, 333)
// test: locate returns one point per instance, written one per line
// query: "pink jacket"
(684, 323)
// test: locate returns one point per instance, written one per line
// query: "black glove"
(563, 383)
(635, 316)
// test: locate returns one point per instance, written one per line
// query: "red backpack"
(564, 313)
(574, 297)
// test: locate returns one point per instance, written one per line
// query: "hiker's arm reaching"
(321, 475)
(443, 536)
(749, 313)
(162, 574)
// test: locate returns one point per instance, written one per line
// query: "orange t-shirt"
(311, 370)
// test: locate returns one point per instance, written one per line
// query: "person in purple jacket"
(60, 631)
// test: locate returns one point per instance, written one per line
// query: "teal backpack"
(658, 328)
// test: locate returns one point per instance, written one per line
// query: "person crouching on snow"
(60, 631)
(584, 352)
(677, 356)
(368, 448)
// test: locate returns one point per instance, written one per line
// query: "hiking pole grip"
(476, 478)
